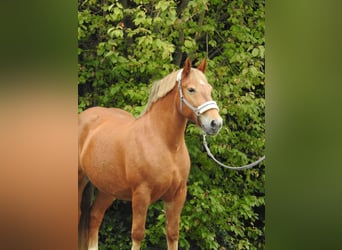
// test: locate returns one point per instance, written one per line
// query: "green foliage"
(124, 46)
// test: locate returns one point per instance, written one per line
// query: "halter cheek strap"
(200, 109)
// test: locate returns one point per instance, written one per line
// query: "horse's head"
(195, 93)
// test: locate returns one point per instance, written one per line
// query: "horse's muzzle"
(211, 126)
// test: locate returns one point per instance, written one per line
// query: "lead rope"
(201, 109)
(229, 167)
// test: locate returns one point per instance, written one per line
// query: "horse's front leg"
(173, 212)
(140, 202)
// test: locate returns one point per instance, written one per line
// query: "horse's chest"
(163, 173)
(167, 184)
(169, 179)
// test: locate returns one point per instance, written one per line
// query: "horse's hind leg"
(173, 212)
(100, 205)
(82, 183)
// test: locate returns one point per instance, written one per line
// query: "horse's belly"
(111, 183)
(118, 193)
(102, 161)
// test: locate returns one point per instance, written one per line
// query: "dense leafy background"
(124, 46)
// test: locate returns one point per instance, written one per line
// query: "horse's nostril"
(213, 123)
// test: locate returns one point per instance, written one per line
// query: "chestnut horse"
(144, 159)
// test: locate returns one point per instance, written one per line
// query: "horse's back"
(97, 115)
(92, 118)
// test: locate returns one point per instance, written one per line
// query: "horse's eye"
(191, 90)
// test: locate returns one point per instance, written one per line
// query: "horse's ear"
(203, 65)
(186, 68)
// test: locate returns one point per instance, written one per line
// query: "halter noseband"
(200, 109)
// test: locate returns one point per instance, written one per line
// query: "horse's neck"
(167, 121)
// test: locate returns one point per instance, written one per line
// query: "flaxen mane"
(160, 88)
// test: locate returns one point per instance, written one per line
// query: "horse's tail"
(83, 226)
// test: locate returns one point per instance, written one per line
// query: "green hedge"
(124, 46)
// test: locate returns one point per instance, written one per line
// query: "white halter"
(200, 109)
